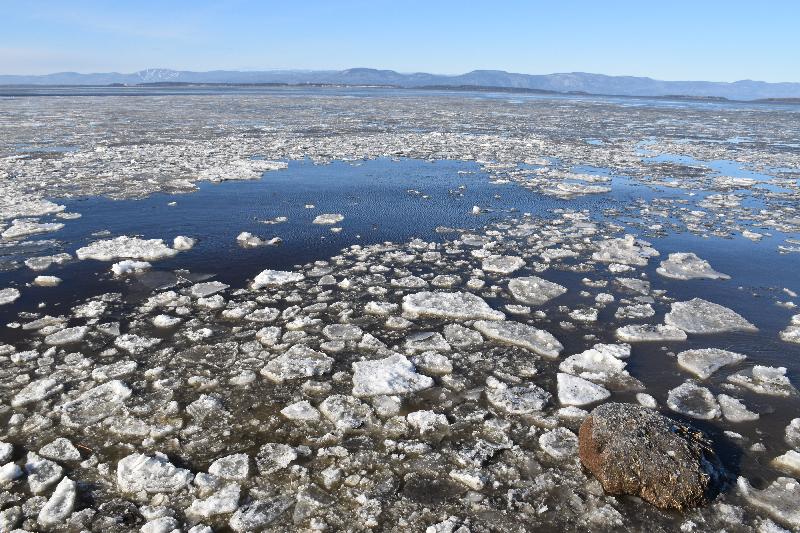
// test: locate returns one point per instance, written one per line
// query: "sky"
(676, 40)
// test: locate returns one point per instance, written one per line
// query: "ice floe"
(705, 361)
(685, 266)
(125, 247)
(698, 316)
(392, 375)
(523, 335)
(449, 305)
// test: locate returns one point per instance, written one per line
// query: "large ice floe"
(125, 247)
(533, 290)
(522, 335)
(685, 266)
(391, 375)
(449, 305)
(698, 316)
(705, 361)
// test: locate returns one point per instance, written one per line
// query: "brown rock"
(634, 450)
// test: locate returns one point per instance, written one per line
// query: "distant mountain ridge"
(581, 82)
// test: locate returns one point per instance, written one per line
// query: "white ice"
(698, 316)
(125, 247)
(685, 266)
(705, 361)
(392, 375)
(692, 400)
(573, 390)
(450, 305)
(533, 290)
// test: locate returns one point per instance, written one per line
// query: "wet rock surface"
(635, 450)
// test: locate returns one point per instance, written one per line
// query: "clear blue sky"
(698, 40)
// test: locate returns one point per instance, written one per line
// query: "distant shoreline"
(431, 88)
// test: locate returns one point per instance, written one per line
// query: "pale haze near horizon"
(713, 40)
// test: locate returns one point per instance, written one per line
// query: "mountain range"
(574, 82)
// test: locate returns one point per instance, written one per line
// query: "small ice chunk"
(223, 501)
(66, 336)
(135, 344)
(517, 400)
(273, 457)
(764, 380)
(449, 305)
(392, 375)
(301, 411)
(344, 332)
(428, 423)
(208, 288)
(685, 266)
(36, 391)
(113, 370)
(328, 218)
(42, 473)
(95, 404)
(626, 251)
(650, 333)
(275, 278)
(47, 281)
(23, 228)
(533, 290)
(129, 266)
(573, 390)
(61, 449)
(734, 410)
(345, 412)
(704, 362)
(595, 364)
(259, 514)
(247, 240)
(502, 264)
(792, 434)
(559, 443)
(700, 316)
(234, 467)
(126, 248)
(423, 341)
(461, 337)
(788, 462)
(646, 400)
(165, 321)
(60, 505)
(183, 243)
(8, 296)
(10, 472)
(692, 400)
(791, 333)
(6, 452)
(153, 474)
(778, 500)
(297, 362)
(522, 335)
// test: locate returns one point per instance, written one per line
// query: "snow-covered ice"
(533, 290)
(573, 390)
(685, 266)
(705, 361)
(692, 400)
(449, 305)
(152, 474)
(523, 335)
(698, 316)
(125, 247)
(391, 375)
